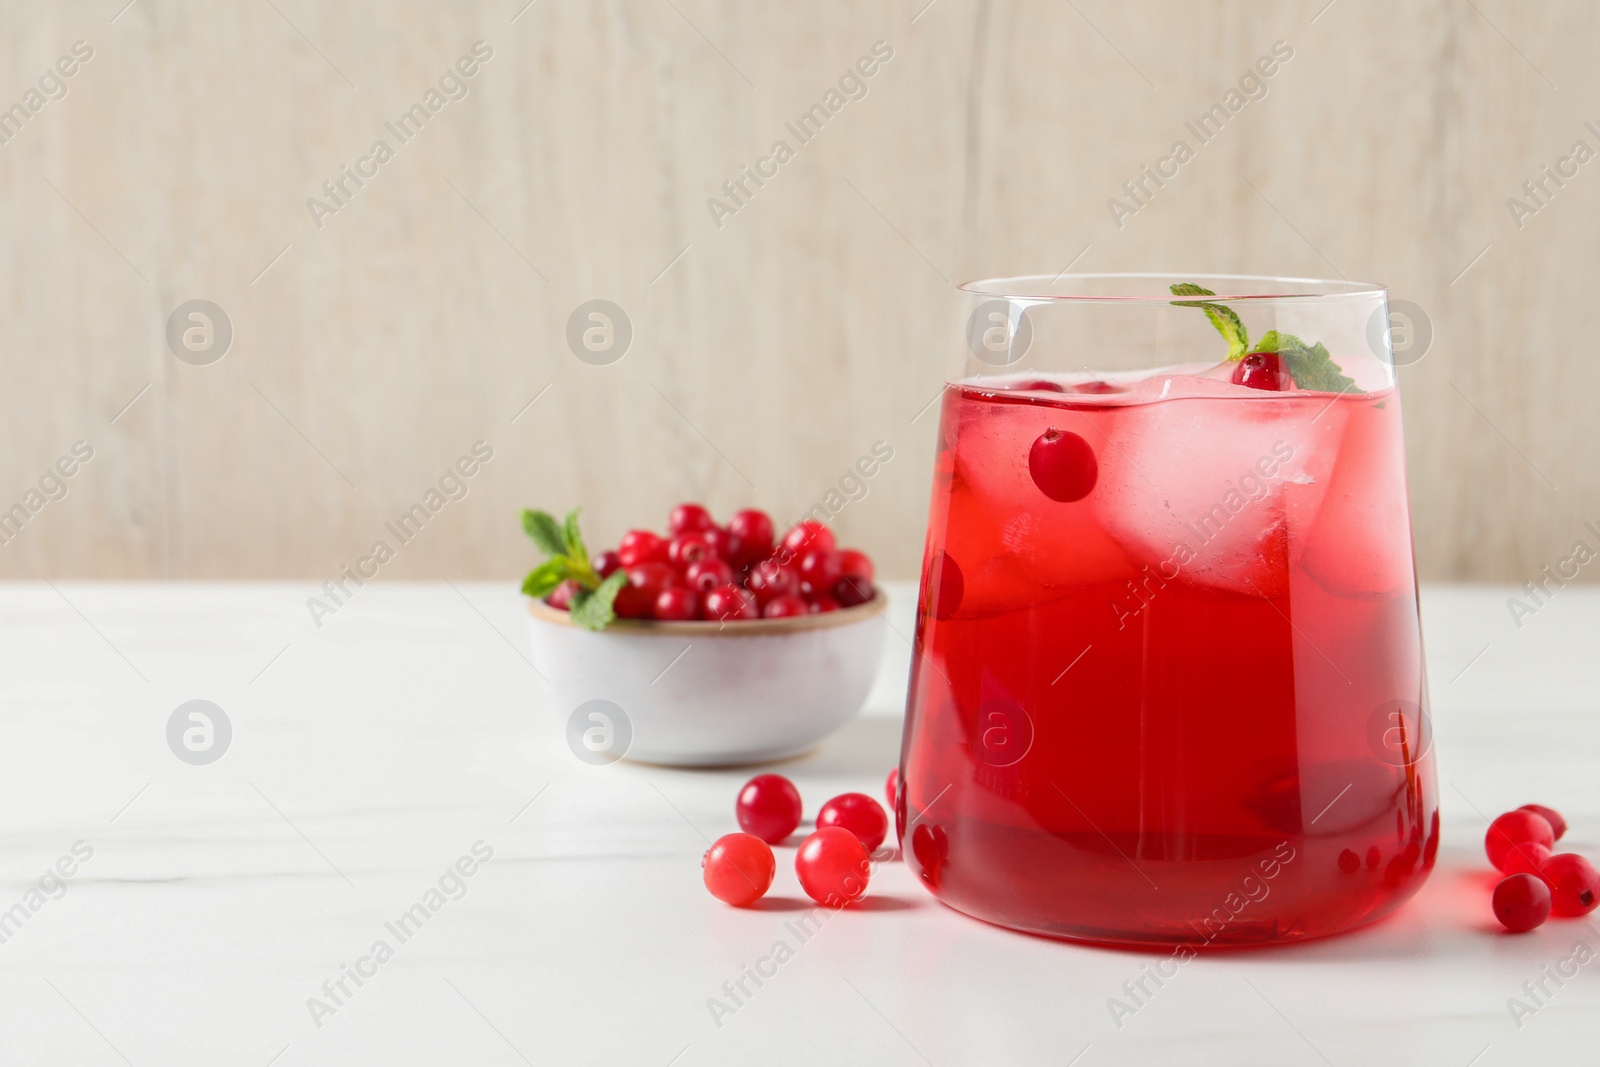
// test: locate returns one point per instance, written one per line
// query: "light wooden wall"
(768, 353)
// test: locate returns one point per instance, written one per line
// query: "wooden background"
(768, 353)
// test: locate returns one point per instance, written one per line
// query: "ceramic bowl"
(705, 694)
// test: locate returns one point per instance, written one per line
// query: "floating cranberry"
(1558, 825)
(561, 596)
(785, 607)
(729, 603)
(725, 545)
(706, 574)
(1574, 883)
(1516, 828)
(607, 563)
(833, 866)
(641, 546)
(768, 807)
(754, 530)
(739, 869)
(1095, 388)
(1063, 465)
(807, 534)
(1349, 862)
(688, 518)
(1521, 902)
(1262, 370)
(943, 588)
(859, 814)
(677, 604)
(1042, 385)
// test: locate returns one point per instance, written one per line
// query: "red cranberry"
(891, 785)
(1516, 828)
(677, 604)
(641, 546)
(686, 549)
(607, 563)
(785, 607)
(930, 846)
(1042, 385)
(1262, 370)
(769, 807)
(819, 569)
(754, 530)
(1574, 883)
(769, 580)
(725, 546)
(646, 582)
(1063, 465)
(821, 604)
(706, 574)
(851, 590)
(1558, 825)
(855, 563)
(729, 603)
(1526, 858)
(1349, 862)
(806, 535)
(833, 867)
(739, 868)
(1095, 388)
(1521, 902)
(561, 596)
(688, 518)
(943, 587)
(859, 814)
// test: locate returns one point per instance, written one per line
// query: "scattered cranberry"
(852, 590)
(729, 603)
(891, 785)
(1063, 465)
(785, 607)
(724, 545)
(769, 580)
(739, 869)
(706, 574)
(769, 807)
(686, 549)
(807, 534)
(833, 866)
(1516, 828)
(1521, 902)
(677, 604)
(607, 563)
(1374, 857)
(641, 546)
(754, 530)
(561, 596)
(1558, 825)
(688, 518)
(859, 814)
(1526, 858)
(1574, 883)
(1262, 370)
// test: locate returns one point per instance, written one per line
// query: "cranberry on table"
(641, 546)
(685, 549)
(891, 785)
(1516, 828)
(1262, 370)
(754, 530)
(805, 535)
(1063, 465)
(729, 603)
(688, 518)
(1042, 385)
(1574, 883)
(859, 814)
(706, 574)
(739, 869)
(768, 807)
(607, 563)
(1558, 825)
(769, 580)
(785, 607)
(1526, 858)
(724, 545)
(1521, 902)
(833, 866)
(561, 596)
(677, 605)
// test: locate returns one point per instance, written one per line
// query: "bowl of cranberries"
(719, 644)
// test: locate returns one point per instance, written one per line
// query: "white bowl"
(705, 694)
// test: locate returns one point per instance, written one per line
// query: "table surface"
(207, 906)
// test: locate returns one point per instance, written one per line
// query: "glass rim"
(1079, 288)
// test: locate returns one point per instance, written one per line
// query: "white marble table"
(370, 756)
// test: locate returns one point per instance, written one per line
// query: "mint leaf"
(545, 577)
(575, 545)
(592, 609)
(1224, 318)
(541, 527)
(1310, 365)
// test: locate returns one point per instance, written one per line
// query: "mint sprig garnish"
(1310, 365)
(592, 604)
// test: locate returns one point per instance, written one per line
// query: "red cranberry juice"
(1188, 704)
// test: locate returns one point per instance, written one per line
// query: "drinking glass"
(1168, 681)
